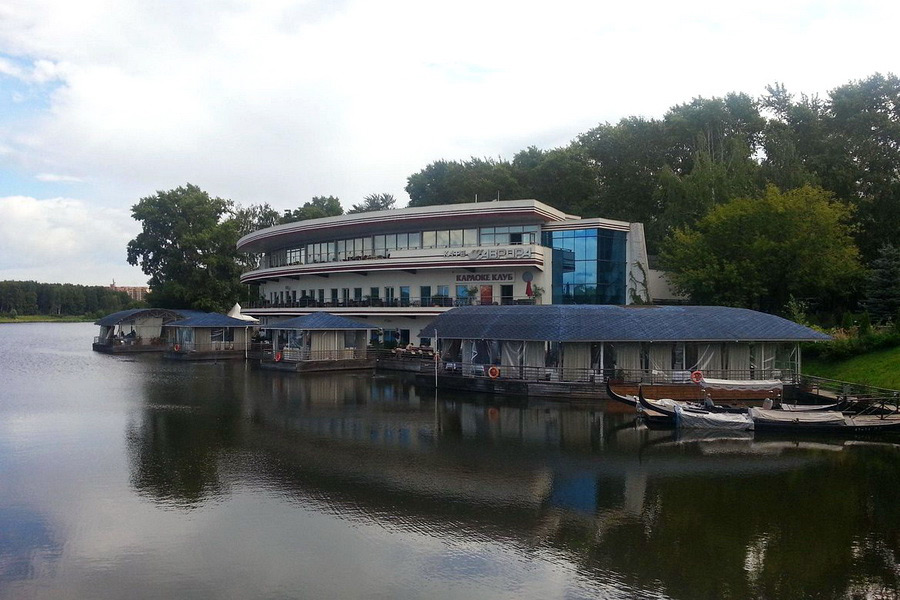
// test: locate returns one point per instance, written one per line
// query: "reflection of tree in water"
(189, 419)
(789, 534)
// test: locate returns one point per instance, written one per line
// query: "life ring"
(177, 347)
(493, 372)
(697, 376)
(278, 357)
(493, 414)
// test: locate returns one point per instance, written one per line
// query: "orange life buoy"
(278, 357)
(177, 347)
(697, 376)
(493, 414)
(493, 372)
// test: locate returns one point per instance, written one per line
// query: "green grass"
(880, 368)
(47, 319)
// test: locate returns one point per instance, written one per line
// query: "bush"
(846, 345)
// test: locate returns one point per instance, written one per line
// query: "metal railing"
(582, 375)
(415, 302)
(289, 354)
(186, 347)
(128, 341)
(822, 386)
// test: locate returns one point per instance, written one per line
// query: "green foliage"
(318, 207)
(374, 202)
(61, 299)
(883, 284)
(759, 253)
(188, 248)
(865, 324)
(453, 182)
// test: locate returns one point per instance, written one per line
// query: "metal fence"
(416, 302)
(265, 352)
(128, 341)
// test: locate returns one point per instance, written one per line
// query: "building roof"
(320, 320)
(595, 323)
(446, 216)
(167, 314)
(210, 320)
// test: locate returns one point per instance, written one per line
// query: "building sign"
(490, 253)
(484, 277)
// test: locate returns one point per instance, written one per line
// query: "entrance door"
(487, 294)
(506, 294)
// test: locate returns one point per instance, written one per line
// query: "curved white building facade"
(398, 269)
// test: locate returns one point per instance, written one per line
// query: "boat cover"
(742, 384)
(815, 418)
(706, 420)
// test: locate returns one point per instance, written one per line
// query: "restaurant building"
(399, 269)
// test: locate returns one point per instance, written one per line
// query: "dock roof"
(320, 321)
(167, 314)
(211, 320)
(595, 323)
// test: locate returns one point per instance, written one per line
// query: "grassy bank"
(880, 368)
(47, 319)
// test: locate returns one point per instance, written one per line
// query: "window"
(334, 296)
(425, 295)
(389, 295)
(470, 237)
(373, 293)
(357, 294)
(428, 239)
(404, 295)
(415, 240)
(443, 239)
(345, 296)
(456, 238)
(442, 295)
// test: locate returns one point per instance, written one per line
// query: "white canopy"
(235, 313)
(742, 384)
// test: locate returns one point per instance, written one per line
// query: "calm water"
(139, 478)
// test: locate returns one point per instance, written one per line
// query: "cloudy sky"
(103, 102)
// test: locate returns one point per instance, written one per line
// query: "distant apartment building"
(136, 292)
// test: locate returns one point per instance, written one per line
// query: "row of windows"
(437, 295)
(380, 246)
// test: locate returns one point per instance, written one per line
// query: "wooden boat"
(823, 422)
(689, 417)
(709, 406)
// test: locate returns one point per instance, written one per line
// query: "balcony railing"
(412, 302)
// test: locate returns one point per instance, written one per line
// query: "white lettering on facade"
(485, 277)
(489, 253)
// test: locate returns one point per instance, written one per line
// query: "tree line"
(769, 203)
(65, 299)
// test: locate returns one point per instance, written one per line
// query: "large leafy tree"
(451, 182)
(758, 253)
(188, 248)
(374, 202)
(318, 207)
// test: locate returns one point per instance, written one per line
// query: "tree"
(320, 206)
(374, 202)
(883, 285)
(562, 177)
(453, 182)
(758, 253)
(188, 248)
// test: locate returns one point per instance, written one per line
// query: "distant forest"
(62, 299)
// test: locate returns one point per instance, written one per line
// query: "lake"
(134, 477)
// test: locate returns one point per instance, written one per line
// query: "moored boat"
(823, 422)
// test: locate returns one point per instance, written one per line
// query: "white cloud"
(277, 100)
(58, 178)
(65, 240)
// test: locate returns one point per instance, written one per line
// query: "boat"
(689, 417)
(708, 405)
(823, 422)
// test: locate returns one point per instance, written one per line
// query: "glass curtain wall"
(599, 276)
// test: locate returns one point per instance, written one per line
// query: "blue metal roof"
(320, 320)
(596, 323)
(167, 314)
(210, 320)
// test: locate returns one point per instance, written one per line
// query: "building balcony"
(523, 255)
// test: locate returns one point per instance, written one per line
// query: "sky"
(103, 102)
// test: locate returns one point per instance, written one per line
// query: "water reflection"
(197, 481)
(691, 517)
